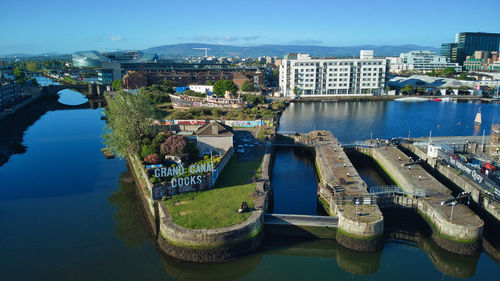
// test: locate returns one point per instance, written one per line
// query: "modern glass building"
(469, 42)
(449, 51)
(96, 59)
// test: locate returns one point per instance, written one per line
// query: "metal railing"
(392, 190)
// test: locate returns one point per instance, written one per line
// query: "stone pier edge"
(450, 243)
(207, 245)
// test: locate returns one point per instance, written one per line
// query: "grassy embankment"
(218, 207)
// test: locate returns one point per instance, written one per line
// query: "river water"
(67, 213)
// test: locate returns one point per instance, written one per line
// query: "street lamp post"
(451, 214)
(357, 203)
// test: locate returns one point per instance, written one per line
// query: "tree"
(118, 85)
(218, 87)
(247, 87)
(34, 82)
(229, 86)
(129, 122)
(408, 89)
(20, 76)
(173, 145)
(32, 66)
(221, 86)
(296, 90)
(167, 86)
(449, 71)
(462, 76)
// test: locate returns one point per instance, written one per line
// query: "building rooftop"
(215, 129)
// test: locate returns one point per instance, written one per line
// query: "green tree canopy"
(20, 76)
(129, 121)
(462, 76)
(118, 85)
(221, 86)
(32, 66)
(247, 87)
(449, 71)
(408, 89)
(167, 86)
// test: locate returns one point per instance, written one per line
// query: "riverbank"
(386, 98)
(204, 245)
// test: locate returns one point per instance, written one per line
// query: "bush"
(192, 151)
(157, 141)
(147, 150)
(152, 159)
(173, 145)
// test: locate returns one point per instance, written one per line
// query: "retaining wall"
(352, 233)
(462, 182)
(203, 245)
(457, 238)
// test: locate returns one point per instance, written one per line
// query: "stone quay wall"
(462, 182)
(359, 235)
(204, 245)
(457, 238)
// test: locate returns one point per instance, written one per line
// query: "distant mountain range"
(186, 50)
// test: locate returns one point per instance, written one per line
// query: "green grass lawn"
(217, 207)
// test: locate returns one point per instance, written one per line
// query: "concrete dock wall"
(454, 237)
(204, 245)
(462, 182)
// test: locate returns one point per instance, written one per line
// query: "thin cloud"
(223, 39)
(251, 38)
(116, 38)
(306, 42)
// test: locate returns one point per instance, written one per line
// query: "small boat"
(107, 153)
(411, 99)
(437, 99)
(477, 120)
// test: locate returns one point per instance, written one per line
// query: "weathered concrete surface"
(284, 225)
(358, 231)
(463, 234)
(466, 184)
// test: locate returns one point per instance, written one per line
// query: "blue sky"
(35, 26)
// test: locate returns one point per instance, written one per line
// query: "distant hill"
(184, 50)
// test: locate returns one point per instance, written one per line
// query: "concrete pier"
(477, 193)
(360, 221)
(460, 233)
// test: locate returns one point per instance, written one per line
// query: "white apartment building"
(201, 88)
(421, 61)
(305, 76)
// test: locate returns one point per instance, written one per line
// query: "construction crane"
(206, 50)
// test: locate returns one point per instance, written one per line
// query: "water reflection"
(71, 97)
(294, 182)
(131, 225)
(355, 121)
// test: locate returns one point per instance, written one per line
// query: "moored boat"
(411, 99)
(477, 120)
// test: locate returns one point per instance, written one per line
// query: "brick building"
(184, 78)
(134, 80)
(254, 78)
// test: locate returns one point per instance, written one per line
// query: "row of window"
(339, 63)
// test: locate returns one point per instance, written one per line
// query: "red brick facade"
(134, 80)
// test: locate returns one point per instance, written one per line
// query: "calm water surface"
(67, 213)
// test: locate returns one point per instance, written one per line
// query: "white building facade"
(301, 75)
(420, 61)
(201, 88)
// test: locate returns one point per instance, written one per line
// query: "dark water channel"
(67, 213)
(294, 182)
